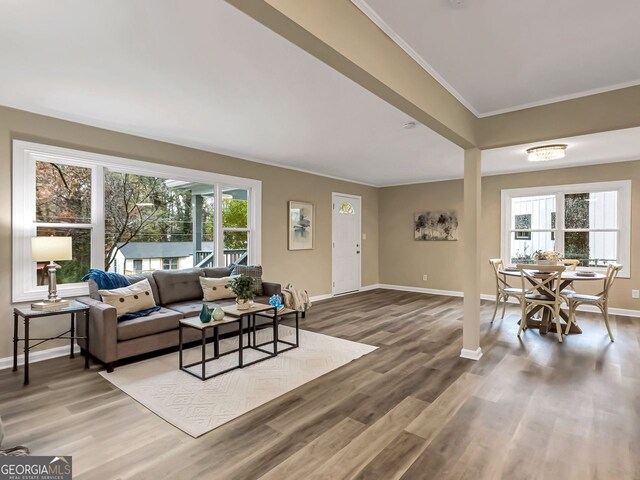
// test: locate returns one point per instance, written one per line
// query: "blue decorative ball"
(275, 301)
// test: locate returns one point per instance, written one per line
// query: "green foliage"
(234, 215)
(138, 208)
(242, 286)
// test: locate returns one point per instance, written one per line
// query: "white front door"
(346, 243)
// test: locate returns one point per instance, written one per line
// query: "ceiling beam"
(603, 112)
(342, 36)
(339, 34)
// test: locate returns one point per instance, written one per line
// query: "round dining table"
(547, 322)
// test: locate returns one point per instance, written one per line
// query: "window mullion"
(218, 240)
(85, 226)
(98, 218)
(559, 243)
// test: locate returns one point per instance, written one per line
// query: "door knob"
(357, 251)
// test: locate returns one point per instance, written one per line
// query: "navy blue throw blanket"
(106, 280)
(111, 280)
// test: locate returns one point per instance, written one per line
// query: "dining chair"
(572, 265)
(601, 300)
(503, 289)
(541, 288)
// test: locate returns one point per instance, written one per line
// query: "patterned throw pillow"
(216, 288)
(253, 271)
(131, 299)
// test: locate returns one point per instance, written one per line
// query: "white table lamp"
(50, 249)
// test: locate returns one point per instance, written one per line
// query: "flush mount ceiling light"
(545, 153)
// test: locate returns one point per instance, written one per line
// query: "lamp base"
(50, 305)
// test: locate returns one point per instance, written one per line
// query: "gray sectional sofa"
(179, 294)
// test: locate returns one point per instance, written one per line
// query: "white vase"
(243, 304)
(218, 313)
(546, 262)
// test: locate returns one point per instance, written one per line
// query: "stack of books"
(45, 305)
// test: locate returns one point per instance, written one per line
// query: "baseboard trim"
(320, 298)
(38, 356)
(471, 354)
(430, 291)
(492, 298)
(327, 296)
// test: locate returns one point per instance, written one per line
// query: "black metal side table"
(195, 323)
(27, 314)
(276, 316)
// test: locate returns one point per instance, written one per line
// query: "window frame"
(623, 189)
(171, 261)
(25, 155)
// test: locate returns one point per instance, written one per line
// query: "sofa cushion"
(192, 309)
(178, 285)
(216, 288)
(157, 322)
(138, 277)
(217, 272)
(93, 290)
(131, 299)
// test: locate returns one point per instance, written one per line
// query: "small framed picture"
(301, 225)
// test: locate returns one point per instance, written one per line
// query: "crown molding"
(382, 25)
(562, 98)
(391, 33)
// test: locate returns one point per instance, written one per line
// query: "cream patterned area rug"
(197, 407)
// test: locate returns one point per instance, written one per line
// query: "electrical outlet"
(364, 236)
(635, 293)
(424, 278)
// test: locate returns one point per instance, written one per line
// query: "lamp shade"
(49, 249)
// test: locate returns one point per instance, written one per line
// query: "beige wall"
(309, 269)
(403, 261)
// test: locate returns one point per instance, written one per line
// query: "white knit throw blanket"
(295, 298)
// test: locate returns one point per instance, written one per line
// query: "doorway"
(347, 243)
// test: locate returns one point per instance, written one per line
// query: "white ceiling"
(503, 55)
(203, 74)
(606, 147)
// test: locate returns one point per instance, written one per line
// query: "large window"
(126, 216)
(586, 222)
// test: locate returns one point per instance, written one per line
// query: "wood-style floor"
(530, 409)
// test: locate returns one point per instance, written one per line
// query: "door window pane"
(346, 209)
(235, 247)
(235, 213)
(72, 271)
(63, 193)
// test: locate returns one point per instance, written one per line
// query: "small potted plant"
(547, 257)
(242, 286)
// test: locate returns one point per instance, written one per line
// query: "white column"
(471, 248)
